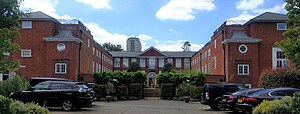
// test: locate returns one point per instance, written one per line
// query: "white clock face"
(61, 47)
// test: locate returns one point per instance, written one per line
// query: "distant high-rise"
(134, 44)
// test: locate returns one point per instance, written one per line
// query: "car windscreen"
(260, 92)
(81, 85)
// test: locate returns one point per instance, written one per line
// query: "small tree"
(186, 46)
(133, 67)
(291, 45)
(168, 68)
(112, 47)
(10, 13)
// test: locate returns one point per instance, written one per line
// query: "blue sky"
(164, 24)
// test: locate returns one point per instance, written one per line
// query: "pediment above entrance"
(152, 51)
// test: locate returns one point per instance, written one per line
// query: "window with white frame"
(4, 76)
(243, 69)
(208, 53)
(170, 60)
(187, 62)
(178, 62)
(133, 60)
(93, 51)
(161, 62)
(93, 66)
(205, 54)
(215, 62)
(281, 26)
(125, 62)
(27, 24)
(89, 42)
(97, 53)
(278, 58)
(25, 53)
(117, 62)
(142, 62)
(205, 68)
(60, 68)
(215, 44)
(202, 68)
(97, 67)
(151, 62)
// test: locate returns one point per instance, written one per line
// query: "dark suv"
(212, 93)
(68, 95)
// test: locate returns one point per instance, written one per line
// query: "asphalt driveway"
(144, 106)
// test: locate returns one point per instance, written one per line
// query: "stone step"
(151, 92)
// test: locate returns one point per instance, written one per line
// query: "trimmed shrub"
(9, 106)
(4, 104)
(281, 78)
(282, 106)
(296, 103)
(196, 93)
(16, 83)
(167, 91)
(135, 90)
(121, 92)
(100, 91)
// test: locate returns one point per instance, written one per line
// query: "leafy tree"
(133, 67)
(186, 46)
(291, 45)
(112, 47)
(9, 16)
(168, 68)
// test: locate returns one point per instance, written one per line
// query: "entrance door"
(151, 79)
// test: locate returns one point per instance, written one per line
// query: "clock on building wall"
(61, 47)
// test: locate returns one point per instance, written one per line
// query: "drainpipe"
(224, 59)
(80, 46)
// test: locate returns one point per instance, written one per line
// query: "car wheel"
(67, 105)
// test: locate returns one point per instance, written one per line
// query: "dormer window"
(281, 26)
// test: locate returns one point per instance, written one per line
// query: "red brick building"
(151, 61)
(240, 53)
(58, 48)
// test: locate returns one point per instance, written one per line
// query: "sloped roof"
(241, 37)
(153, 49)
(179, 53)
(63, 35)
(269, 17)
(38, 16)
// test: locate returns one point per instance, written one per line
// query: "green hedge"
(121, 92)
(281, 78)
(9, 106)
(287, 105)
(119, 78)
(176, 78)
(136, 90)
(100, 91)
(167, 91)
(16, 83)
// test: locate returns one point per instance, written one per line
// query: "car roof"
(46, 78)
(67, 82)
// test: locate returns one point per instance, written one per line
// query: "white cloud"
(183, 9)
(97, 4)
(280, 8)
(102, 36)
(249, 14)
(171, 45)
(249, 4)
(46, 6)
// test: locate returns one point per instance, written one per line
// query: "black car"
(35, 80)
(229, 101)
(248, 103)
(212, 93)
(68, 95)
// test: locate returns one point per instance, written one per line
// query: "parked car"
(248, 103)
(68, 95)
(229, 101)
(212, 93)
(35, 80)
